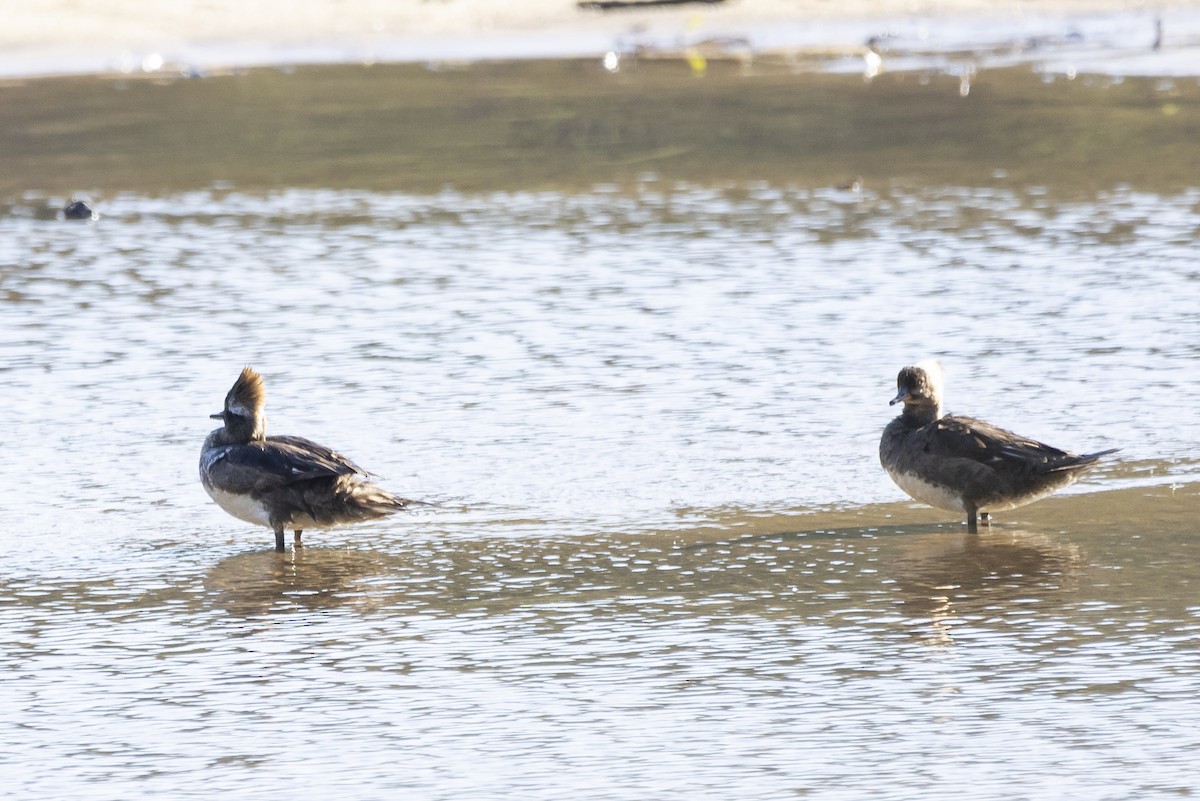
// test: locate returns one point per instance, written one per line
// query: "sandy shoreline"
(83, 36)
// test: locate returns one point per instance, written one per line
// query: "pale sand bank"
(74, 36)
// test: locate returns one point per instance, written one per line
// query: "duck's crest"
(933, 369)
(248, 394)
(923, 379)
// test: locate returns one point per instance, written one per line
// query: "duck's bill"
(218, 416)
(901, 396)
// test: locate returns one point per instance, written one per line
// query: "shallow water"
(665, 562)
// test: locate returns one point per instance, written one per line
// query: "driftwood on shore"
(613, 5)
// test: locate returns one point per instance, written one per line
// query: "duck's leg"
(972, 528)
(985, 519)
(297, 534)
(279, 540)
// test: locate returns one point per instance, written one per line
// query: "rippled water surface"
(664, 561)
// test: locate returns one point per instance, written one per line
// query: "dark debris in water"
(79, 210)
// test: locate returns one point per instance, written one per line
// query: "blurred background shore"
(61, 36)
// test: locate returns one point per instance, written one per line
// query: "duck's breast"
(926, 491)
(240, 505)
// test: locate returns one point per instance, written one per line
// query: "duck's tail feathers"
(364, 500)
(1082, 462)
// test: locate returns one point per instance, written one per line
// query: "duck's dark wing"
(968, 438)
(979, 463)
(310, 460)
(277, 462)
(1011, 456)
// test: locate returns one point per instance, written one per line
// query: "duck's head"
(919, 387)
(243, 413)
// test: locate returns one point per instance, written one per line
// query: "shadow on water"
(809, 565)
(776, 570)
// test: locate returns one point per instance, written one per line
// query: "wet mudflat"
(569, 125)
(643, 369)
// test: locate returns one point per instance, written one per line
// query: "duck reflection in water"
(940, 577)
(252, 584)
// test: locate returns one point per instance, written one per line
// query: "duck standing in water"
(283, 482)
(966, 465)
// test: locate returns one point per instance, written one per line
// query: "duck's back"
(296, 481)
(325, 488)
(960, 462)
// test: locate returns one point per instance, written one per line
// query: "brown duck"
(283, 482)
(966, 465)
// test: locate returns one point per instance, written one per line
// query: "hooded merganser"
(283, 482)
(966, 465)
